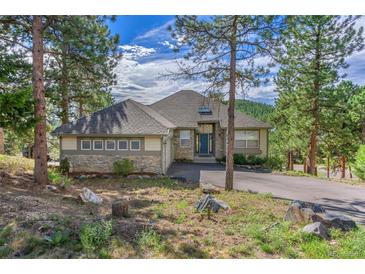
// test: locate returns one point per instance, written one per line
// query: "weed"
(150, 240)
(95, 236)
(181, 205)
(57, 238)
(240, 250)
(5, 251)
(181, 218)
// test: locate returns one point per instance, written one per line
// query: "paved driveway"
(340, 198)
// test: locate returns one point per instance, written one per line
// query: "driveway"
(335, 197)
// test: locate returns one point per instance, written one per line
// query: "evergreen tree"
(223, 51)
(313, 51)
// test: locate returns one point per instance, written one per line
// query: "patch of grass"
(58, 238)
(181, 218)
(57, 178)
(5, 234)
(95, 236)
(5, 251)
(242, 250)
(15, 164)
(181, 205)
(150, 240)
(159, 211)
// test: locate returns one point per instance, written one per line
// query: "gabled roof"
(181, 108)
(125, 118)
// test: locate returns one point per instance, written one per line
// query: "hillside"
(260, 111)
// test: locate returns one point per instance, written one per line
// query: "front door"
(203, 147)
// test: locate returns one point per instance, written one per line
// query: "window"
(98, 144)
(246, 139)
(85, 144)
(135, 145)
(185, 138)
(122, 145)
(109, 145)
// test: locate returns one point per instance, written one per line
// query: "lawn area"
(162, 224)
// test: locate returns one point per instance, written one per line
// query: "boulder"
(120, 208)
(52, 188)
(210, 189)
(87, 196)
(335, 220)
(209, 202)
(297, 214)
(318, 229)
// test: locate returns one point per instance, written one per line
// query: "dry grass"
(16, 164)
(163, 223)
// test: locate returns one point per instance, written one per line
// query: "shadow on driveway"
(191, 171)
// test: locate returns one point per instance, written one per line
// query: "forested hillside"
(260, 111)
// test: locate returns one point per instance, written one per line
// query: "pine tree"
(223, 51)
(313, 51)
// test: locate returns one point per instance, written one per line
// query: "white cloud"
(134, 52)
(156, 32)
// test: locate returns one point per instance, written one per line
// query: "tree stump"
(120, 208)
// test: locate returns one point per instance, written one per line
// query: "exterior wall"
(219, 140)
(152, 143)
(69, 143)
(101, 161)
(263, 142)
(167, 152)
(183, 153)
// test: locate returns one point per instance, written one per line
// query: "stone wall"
(183, 153)
(219, 139)
(104, 163)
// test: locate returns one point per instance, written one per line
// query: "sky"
(147, 46)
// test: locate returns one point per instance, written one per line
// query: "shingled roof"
(125, 118)
(182, 107)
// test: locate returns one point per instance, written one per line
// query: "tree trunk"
(290, 165)
(312, 153)
(2, 141)
(40, 140)
(343, 167)
(328, 166)
(64, 87)
(350, 171)
(81, 109)
(232, 94)
(305, 165)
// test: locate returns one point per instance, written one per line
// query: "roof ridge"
(138, 104)
(175, 93)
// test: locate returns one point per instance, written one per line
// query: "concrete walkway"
(336, 197)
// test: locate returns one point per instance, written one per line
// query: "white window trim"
(181, 145)
(139, 146)
(106, 147)
(102, 145)
(86, 141)
(123, 140)
(240, 146)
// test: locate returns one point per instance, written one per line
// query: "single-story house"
(183, 126)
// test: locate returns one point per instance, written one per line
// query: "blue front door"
(204, 137)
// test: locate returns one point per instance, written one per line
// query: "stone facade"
(104, 163)
(219, 140)
(183, 153)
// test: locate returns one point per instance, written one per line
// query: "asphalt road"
(335, 197)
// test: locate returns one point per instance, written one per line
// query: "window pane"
(123, 145)
(185, 142)
(240, 143)
(110, 145)
(98, 144)
(185, 134)
(85, 144)
(252, 143)
(135, 145)
(252, 135)
(239, 135)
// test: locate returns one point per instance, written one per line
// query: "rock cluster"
(320, 220)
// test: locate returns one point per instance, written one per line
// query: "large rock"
(210, 189)
(87, 196)
(298, 214)
(318, 229)
(336, 221)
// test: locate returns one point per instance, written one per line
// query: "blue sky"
(147, 47)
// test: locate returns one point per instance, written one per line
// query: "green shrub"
(55, 177)
(255, 160)
(123, 167)
(239, 159)
(64, 166)
(5, 251)
(359, 164)
(95, 236)
(275, 163)
(57, 238)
